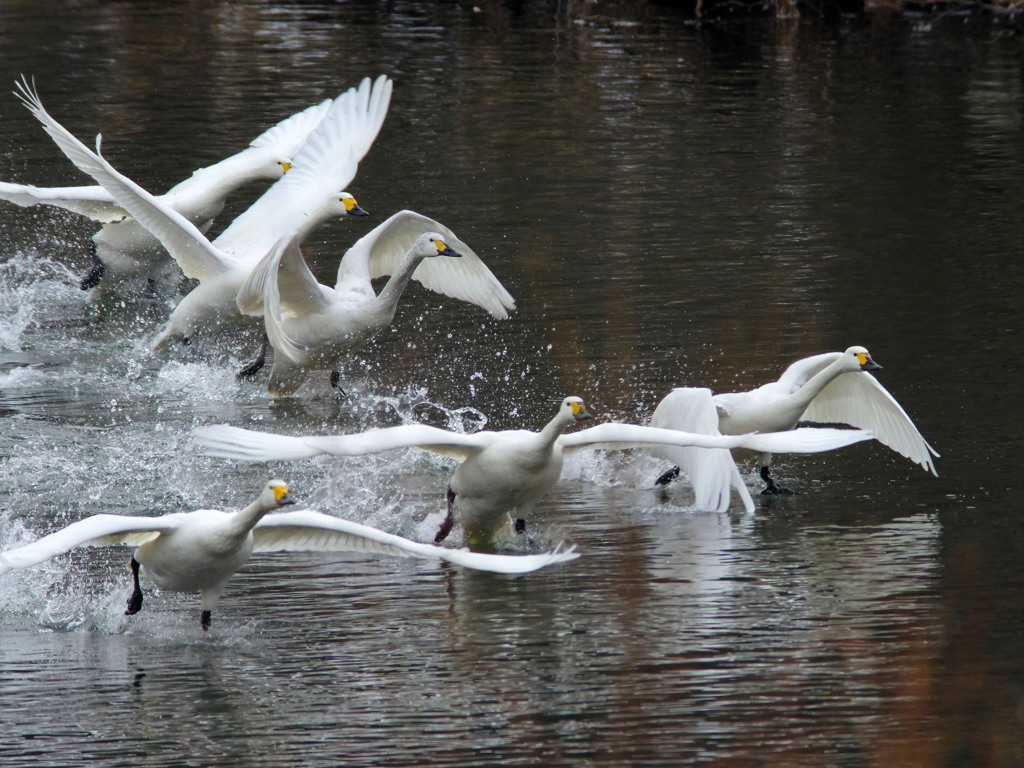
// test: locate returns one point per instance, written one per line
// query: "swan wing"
(711, 471)
(95, 531)
(859, 400)
(92, 202)
(248, 445)
(326, 164)
(381, 251)
(286, 137)
(635, 436)
(284, 276)
(306, 530)
(796, 375)
(185, 242)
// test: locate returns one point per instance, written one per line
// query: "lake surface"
(671, 204)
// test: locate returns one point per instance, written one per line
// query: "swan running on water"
(833, 388)
(309, 194)
(503, 475)
(200, 551)
(123, 248)
(312, 326)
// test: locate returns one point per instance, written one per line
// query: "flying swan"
(502, 475)
(122, 248)
(200, 551)
(311, 326)
(309, 194)
(833, 388)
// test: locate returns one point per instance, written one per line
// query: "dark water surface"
(671, 204)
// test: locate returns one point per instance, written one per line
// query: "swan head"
(573, 409)
(275, 494)
(860, 359)
(432, 244)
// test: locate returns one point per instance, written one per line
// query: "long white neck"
(554, 428)
(244, 520)
(387, 299)
(812, 388)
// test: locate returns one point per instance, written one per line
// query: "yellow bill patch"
(350, 203)
(286, 167)
(863, 358)
(280, 491)
(576, 408)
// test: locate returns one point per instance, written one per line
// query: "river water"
(671, 204)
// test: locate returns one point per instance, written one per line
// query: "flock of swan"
(255, 268)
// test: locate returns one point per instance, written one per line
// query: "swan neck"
(554, 428)
(396, 284)
(812, 388)
(245, 520)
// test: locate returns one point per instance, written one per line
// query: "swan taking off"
(123, 248)
(833, 388)
(502, 475)
(312, 326)
(309, 194)
(200, 551)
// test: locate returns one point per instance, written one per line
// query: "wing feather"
(308, 530)
(95, 531)
(248, 445)
(382, 250)
(860, 400)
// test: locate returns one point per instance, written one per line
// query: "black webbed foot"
(205, 620)
(255, 365)
(449, 522)
(135, 601)
(667, 476)
(335, 384)
(520, 525)
(773, 489)
(92, 278)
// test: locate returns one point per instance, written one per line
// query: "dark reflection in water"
(671, 204)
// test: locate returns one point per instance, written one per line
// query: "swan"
(200, 551)
(122, 248)
(502, 475)
(834, 387)
(309, 194)
(311, 326)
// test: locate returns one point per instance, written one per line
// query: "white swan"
(308, 195)
(502, 472)
(833, 388)
(200, 551)
(122, 248)
(311, 326)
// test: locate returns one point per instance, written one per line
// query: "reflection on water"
(670, 204)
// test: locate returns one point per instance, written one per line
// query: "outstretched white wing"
(807, 440)
(185, 242)
(326, 164)
(859, 400)
(308, 530)
(381, 251)
(93, 202)
(95, 531)
(248, 445)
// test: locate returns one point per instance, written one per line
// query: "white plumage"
(200, 551)
(123, 248)
(310, 193)
(502, 472)
(311, 326)
(833, 388)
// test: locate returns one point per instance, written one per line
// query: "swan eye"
(280, 491)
